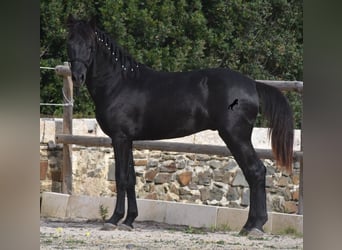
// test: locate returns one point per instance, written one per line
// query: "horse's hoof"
(125, 227)
(254, 232)
(108, 227)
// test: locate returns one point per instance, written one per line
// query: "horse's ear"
(92, 22)
(70, 21)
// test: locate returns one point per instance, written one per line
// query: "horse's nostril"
(82, 78)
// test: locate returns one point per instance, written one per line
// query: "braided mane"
(118, 56)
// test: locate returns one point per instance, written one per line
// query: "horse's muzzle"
(78, 79)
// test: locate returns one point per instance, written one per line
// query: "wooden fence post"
(301, 177)
(67, 129)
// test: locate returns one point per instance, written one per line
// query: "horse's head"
(80, 48)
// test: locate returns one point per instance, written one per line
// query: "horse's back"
(167, 105)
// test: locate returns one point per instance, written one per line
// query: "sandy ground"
(151, 235)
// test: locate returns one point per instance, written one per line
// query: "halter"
(81, 61)
(85, 63)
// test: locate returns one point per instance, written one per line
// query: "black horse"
(135, 102)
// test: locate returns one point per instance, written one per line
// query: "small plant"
(220, 228)
(220, 242)
(291, 231)
(103, 212)
(191, 230)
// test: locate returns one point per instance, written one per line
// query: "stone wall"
(181, 177)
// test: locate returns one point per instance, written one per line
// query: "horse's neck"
(102, 76)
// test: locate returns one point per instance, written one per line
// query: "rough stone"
(204, 178)
(239, 180)
(290, 207)
(234, 204)
(215, 164)
(212, 202)
(224, 202)
(169, 156)
(286, 193)
(269, 181)
(151, 196)
(139, 154)
(285, 173)
(269, 201)
(278, 203)
(231, 165)
(205, 194)
(227, 177)
(184, 178)
(221, 185)
(218, 175)
(174, 188)
(194, 197)
(168, 167)
(196, 193)
(152, 163)
(140, 162)
(184, 191)
(156, 154)
(161, 190)
(194, 178)
(112, 187)
(270, 170)
(111, 173)
(147, 187)
(295, 195)
(215, 193)
(245, 197)
(172, 197)
(43, 169)
(139, 170)
(187, 198)
(150, 174)
(162, 178)
(295, 178)
(181, 162)
(201, 157)
(193, 186)
(283, 181)
(233, 194)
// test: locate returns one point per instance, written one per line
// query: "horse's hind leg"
(238, 140)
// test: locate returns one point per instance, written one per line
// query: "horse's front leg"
(132, 211)
(122, 152)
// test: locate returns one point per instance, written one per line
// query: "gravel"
(152, 235)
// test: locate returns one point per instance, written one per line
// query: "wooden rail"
(91, 141)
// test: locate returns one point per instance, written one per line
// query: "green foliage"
(291, 231)
(193, 230)
(262, 39)
(103, 210)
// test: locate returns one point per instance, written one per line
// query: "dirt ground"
(151, 235)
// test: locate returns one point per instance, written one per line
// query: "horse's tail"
(276, 109)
